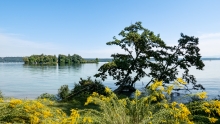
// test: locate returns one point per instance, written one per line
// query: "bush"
(86, 87)
(63, 92)
(48, 96)
(1, 95)
(205, 111)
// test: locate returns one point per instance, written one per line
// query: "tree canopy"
(141, 46)
(41, 59)
(61, 60)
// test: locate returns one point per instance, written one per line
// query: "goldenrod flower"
(165, 105)
(87, 119)
(46, 114)
(206, 104)
(156, 84)
(137, 93)
(95, 94)
(89, 100)
(107, 90)
(169, 89)
(153, 98)
(208, 111)
(181, 81)
(133, 102)
(15, 102)
(213, 120)
(74, 116)
(202, 95)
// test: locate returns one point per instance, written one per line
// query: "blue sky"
(84, 26)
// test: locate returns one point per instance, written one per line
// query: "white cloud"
(210, 36)
(13, 45)
(209, 44)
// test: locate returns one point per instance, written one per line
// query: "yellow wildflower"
(161, 88)
(34, 119)
(137, 93)
(46, 114)
(202, 95)
(216, 103)
(169, 89)
(89, 100)
(205, 104)
(95, 94)
(156, 84)
(1, 100)
(162, 96)
(173, 104)
(123, 101)
(165, 105)
(39, 105)
(153, 98)
(107, 90)
(184, 111)
(213, 120)
(74, 116)
(208, 111)
(87, 119)
(181, 81)
(133, 102)
(15, 102)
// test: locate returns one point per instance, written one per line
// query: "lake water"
(23, 81)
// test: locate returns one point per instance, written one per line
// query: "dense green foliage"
(74, 59)
(48, 96)
(141, 46)
(41, 59)
(63, 92)
(86, 87)
(81, 90)
(53, 60)
(1, 95)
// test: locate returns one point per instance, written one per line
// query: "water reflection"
(30, 81)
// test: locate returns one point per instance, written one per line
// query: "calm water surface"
(22, 81)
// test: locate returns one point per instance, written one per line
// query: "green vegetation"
(41, 60)
(154, 108)
(53, 60)
(81, 91)
(141, 45)
(74, 59)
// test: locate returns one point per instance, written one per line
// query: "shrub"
(63, 92)
(1, 95)
(30, 111)
(86, 87)
(148, 109)
(48, 96)
(205, 111)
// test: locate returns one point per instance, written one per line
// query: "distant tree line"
(61, 60)
(11, 59)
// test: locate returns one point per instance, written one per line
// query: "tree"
(145, 50)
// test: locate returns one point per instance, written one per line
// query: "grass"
(77, 104)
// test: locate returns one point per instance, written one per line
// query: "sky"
(83, 27)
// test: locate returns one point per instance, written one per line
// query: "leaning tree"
(146, 51)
